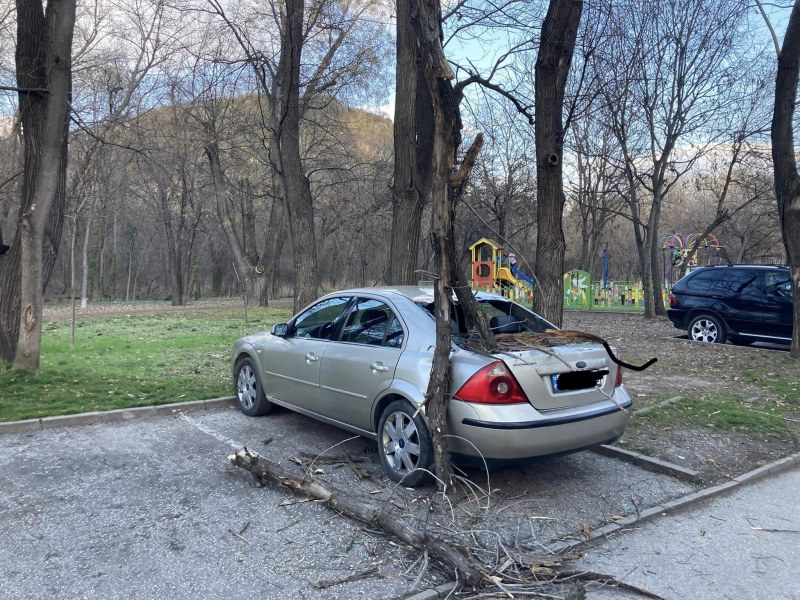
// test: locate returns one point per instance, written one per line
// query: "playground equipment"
(493, 270)
(674, 250)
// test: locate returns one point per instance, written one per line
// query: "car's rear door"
(737, 296)
(357, 367)
(292, 363)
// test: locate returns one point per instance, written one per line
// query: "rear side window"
(372, 322)
(701, 280)
(733, 282)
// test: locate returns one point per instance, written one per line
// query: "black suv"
(742, 303)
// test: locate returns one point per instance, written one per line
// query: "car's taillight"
(493, 384)
(618, 379)
(672, 301)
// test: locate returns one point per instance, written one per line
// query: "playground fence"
(614, 296)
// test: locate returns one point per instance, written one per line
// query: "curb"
(440, 591)
(649, 463)
(779, 466)
(109, 416)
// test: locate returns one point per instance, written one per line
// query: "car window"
(319, 321)
(528, 320)
(370, 321)
(700, 281)
(777, 283)
(735, 282)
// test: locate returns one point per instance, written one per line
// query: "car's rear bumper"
(678, 317)
(515, 432)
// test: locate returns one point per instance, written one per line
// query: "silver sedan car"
(360, 359)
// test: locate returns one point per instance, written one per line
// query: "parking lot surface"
(742, 546)
(151, 508)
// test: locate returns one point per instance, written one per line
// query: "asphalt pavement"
(147, 506)
(741, 546)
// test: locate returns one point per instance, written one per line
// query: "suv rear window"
(700, 281)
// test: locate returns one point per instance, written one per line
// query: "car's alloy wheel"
(250, 396)
(705, 328)
(404, 444)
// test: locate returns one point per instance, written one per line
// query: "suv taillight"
(672, 301)
(493, 384)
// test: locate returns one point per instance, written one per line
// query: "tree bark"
(559, 32)
(296, 187)
(413, 129)
(425, 19)
(44, 79)
(787, 181)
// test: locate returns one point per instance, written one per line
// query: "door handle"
(311, 357)
(378, 367)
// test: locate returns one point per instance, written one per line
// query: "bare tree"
(413, 130)
(44, 76)
(672, 76)
(594, 190)
(559, 32)
(290, 93)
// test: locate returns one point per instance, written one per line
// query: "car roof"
(412, 292)
(740, 266)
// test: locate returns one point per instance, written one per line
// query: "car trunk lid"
(562, 376)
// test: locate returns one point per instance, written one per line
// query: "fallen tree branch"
(265, 471)
(521, 573)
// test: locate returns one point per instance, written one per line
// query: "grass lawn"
(131, 360)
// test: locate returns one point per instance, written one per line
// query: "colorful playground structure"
(675, 250)
(494, 270)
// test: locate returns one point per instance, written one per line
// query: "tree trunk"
(246, 273)
(559, 32)
(787, 181)
(270, 258)
(413, 129)
(296, 187)
(43, 66)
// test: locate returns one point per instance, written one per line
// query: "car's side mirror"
(280, 329)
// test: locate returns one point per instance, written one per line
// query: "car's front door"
(778, 304)
(293, 362)
(357, 367)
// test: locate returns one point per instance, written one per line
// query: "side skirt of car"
(309, 413)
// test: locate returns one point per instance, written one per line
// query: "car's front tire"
(404, 444)
(707, 328)
(250, 395)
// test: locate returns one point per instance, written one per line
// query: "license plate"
(578, 380)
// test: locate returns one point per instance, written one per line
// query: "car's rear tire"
(250, 395)
(404, 444)
(707, 328)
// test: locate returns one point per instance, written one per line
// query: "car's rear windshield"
(504, 317)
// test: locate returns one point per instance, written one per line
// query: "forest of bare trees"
(239, 148)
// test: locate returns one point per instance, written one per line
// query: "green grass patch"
(722, 411)
(131, 360)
